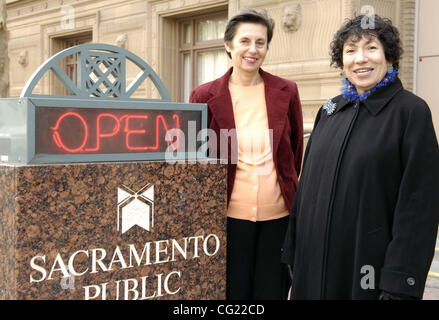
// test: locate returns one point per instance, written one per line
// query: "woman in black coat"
(365, 216)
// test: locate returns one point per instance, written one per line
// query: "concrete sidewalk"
(431, 288)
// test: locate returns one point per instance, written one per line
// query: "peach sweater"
(256, 194)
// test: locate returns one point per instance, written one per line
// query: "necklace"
(349, 91)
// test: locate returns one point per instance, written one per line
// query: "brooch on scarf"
(329, 106)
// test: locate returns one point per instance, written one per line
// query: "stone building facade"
(156, 31)
(4, 83)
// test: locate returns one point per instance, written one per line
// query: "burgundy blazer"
(284, 117)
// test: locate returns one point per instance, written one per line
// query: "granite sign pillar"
(101, 196)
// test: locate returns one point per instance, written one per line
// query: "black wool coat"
(365, 215)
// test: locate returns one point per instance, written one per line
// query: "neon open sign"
(60, 130)
(100, 119)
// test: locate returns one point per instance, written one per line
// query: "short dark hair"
(252, 16)
(383, 29)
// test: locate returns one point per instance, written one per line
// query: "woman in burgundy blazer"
(254, 270)
(284, 113)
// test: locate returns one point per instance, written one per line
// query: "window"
(202, 56)
(69, 65)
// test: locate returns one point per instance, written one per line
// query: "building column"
(407, 30)
(4, 60)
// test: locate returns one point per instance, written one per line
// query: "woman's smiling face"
(249, 47)
(364, 62)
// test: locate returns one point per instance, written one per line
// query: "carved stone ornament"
(292, 17)
(23, 58)
(122, 40)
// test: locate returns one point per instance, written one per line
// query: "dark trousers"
(254, 268)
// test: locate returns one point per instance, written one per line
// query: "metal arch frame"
(94, 49)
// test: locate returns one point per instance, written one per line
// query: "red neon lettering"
(57, 138)
(157, 124)
(130, 132)
(104, 135)
(176, 144)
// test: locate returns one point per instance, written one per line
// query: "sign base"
(131, 230)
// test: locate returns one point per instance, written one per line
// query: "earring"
(390, 69)
(343, 75)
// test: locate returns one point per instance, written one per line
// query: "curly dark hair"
(383, 29)
(248, 15)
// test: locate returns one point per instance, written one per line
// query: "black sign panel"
(70, 130)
